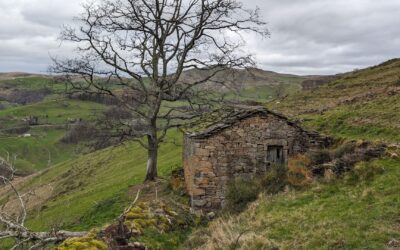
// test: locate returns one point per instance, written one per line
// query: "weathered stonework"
(239, 147)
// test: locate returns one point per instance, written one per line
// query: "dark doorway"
(275, 154)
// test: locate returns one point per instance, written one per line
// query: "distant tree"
(137, 50)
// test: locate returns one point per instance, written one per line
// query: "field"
(37, 152)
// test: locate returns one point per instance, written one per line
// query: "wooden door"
(275, 154)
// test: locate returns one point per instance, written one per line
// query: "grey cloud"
(328, 36)
(307, 36)
(50, 13)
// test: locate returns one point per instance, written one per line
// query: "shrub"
(299, 172)
(5, 169)
(318, 157)
(346, 148)
(82, 131)
(117, 113)
(241, 192)
(366, 171)
(398, 81)
(177, 181)
(345, 164)
(18, 130)
(275, 180)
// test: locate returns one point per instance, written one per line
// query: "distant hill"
(243, 84)
(249, 84)
(24, 88)
(242, 78)
(314, 82)
(13, 75)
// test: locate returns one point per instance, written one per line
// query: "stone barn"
(244, 144)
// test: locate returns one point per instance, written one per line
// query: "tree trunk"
(151, 174)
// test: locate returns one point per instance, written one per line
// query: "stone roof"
(239, 113)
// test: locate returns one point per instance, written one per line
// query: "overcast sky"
(307, 36)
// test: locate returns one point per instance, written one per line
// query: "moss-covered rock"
(88, 242)
(154, 215)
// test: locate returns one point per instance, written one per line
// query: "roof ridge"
(239, 113)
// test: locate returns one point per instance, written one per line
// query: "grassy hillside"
(32, 82)
(363, 104)
(52, 112)
(340, 215)
(248, 84)
(347, 213)
(92, 189)
(39, 151)
(43, 148)
(82, 192)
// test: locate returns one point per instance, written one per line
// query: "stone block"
(199, 203)
(197, 192)
(201, 182)
(202, 152)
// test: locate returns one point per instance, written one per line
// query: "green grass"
(360, 105)
(38, 151)
(362, 216)
(33, 83)
(51, 112)
(91, 190)
(377, 120)
(338, 215)
(168, 241)
(43, 148)
(264, 93)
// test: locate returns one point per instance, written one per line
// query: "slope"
(364, 104)
(91, 190)
(337, 215)
(359, 211)
(94, 187)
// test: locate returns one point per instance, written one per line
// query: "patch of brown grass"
(232, 232)
(299, 173)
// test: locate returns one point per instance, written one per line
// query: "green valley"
(79, 190)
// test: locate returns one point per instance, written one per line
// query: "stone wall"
(240, 150)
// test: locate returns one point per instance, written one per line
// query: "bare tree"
(137, 50)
